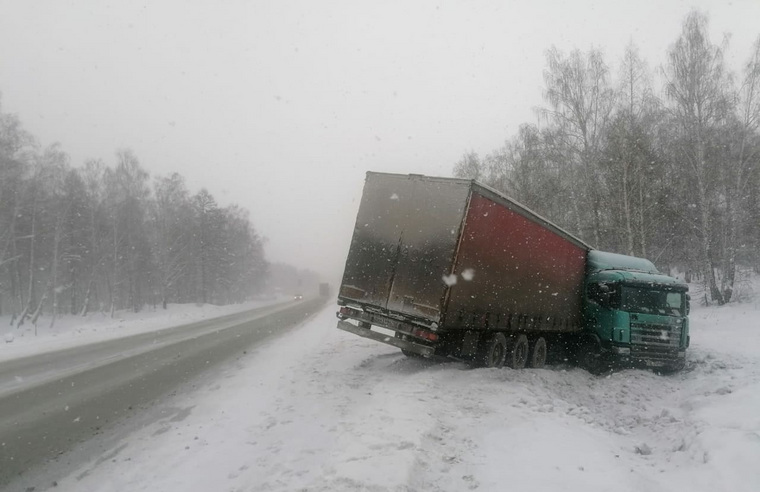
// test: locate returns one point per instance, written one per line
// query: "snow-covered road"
(321, 409)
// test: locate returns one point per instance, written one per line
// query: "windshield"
(653, 301)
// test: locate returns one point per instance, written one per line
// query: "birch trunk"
(641, 221)
(113, 283)
(706, 228)
(32, 266)
(54, 283)
(627, 210)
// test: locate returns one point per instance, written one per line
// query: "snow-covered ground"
(321, 409)
(69, 331)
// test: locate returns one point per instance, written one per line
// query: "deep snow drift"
(320, 409)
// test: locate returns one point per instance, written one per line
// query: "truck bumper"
(632, 356)
(417, 348)
(676, 360)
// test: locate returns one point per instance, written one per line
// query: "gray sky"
(282, 107)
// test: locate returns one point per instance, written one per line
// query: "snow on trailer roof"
(498, 197)
(602, 260)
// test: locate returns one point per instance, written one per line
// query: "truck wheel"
(517, 355)
(672, 368)
(590, 358)
(538, 351)
(494, 351)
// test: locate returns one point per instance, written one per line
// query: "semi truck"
(451, 267)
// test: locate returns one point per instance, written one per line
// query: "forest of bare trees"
(663, 163)
(106, 237)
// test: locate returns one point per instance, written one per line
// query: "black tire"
(493, 352)
(517, 354)
(410, 354)
(590, 358)
(406, 352)
(672, 368)
(538, 351)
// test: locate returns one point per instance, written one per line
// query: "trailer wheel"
(517, 355)
(406, 352)
(538, 352)
(493, 352)
(410, 354)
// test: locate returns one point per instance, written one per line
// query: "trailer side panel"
(522, 276)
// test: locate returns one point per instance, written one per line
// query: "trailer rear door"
(404, 243)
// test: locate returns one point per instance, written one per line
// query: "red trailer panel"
(514, 273)
(457, 254)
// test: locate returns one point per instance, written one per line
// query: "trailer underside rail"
(417, 348)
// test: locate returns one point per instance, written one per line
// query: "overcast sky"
(282, 107)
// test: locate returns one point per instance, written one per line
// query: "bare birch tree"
(740, 167)
(697, 85)
(581, 101)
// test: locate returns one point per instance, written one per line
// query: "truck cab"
(633, 314)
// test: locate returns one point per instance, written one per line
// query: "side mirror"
(600, 293)
(605, 292)
(688, 304)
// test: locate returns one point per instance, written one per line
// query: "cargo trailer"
(451, 267)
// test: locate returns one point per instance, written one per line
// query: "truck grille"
(652, 341)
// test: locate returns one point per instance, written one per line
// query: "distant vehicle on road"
(298, 297)
(452, 267)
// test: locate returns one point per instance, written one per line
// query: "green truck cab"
(633, 315)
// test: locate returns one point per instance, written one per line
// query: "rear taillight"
(346, 312)
(425, 334)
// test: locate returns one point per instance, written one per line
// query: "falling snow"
(450, 280)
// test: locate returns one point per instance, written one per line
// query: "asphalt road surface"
(52, 402)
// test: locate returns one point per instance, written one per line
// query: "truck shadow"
(398, 363)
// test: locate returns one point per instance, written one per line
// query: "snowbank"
(321, 409)
(70, 331)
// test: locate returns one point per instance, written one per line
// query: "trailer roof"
(603, 260)
(502, 199)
